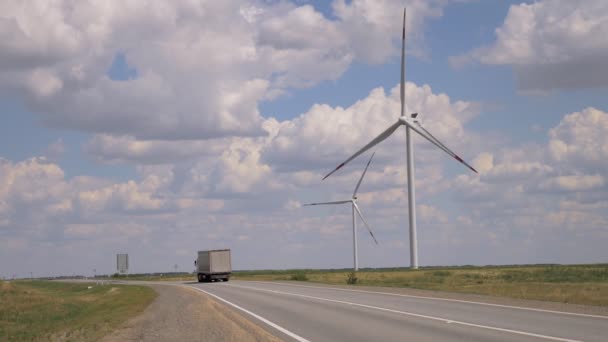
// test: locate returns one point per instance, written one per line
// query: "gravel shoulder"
(182, 314)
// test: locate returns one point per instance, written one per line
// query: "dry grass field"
(56, 311)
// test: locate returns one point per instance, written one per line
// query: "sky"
(162, 128)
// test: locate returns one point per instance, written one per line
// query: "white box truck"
(213, 265)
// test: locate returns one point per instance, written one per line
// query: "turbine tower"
(411, 124)
(355, 208)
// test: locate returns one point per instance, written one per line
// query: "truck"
(213, 265)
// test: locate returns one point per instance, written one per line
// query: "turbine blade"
(428, 136)
(403, 66)
(363, 175)
(365, 222)
(371, 144)
(446, 149)
(326, 203)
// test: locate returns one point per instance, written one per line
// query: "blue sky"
(178, 135)
(506, 111)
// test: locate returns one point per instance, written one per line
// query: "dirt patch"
(182, 314)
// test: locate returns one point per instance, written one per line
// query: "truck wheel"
(225, 279)
(200, 278)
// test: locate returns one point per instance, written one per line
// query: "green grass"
(580, 284)
(299, 276)
(47, 310)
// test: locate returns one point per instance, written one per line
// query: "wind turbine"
(355, 207)
(411, 124)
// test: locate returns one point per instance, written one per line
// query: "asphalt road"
(318, 313)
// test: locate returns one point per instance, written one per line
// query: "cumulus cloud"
(522, 193)
(556, 186)
(211, 171)
(324, 135)
(127, 149)
(574, 183)
(35, 196)
(581, 138)
(484, 162)
(371, 25)
(552, 44)
(196, 76)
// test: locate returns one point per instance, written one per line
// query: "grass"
(48, 310)
(579, 284)
(155, 277)
(299, 276)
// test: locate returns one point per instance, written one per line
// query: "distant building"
(122, 263)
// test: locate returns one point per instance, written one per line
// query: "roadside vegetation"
(56, 311)
(172, 276)
(299, 276)
(578, 284)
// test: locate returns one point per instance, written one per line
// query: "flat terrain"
(302, 311)
(183, 314)
(579, 284)
(54, 311)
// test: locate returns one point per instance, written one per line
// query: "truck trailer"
(213, 265)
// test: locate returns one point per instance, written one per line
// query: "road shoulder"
(183, 314)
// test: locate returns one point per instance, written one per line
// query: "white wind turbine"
(410, 123)
(355, 207)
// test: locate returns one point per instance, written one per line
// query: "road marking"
(435, 298)
(518, 332)
(274, 325)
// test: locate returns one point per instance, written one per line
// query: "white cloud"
(292, 205)
(186, 119)
(551, 44)
(110, 148)
(524, 197)
(431, 214)
(31, 182)
(581, 138)
(201, 67)
(371, 25)
(533, 190)
(573, 183)
(324, 135)
(484, 162)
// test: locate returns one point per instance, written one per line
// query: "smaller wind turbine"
(353, 202)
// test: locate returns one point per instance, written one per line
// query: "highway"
(313, 312)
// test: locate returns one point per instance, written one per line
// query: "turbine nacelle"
(413, 119)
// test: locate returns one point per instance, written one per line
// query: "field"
(577, 284)
(48, 310)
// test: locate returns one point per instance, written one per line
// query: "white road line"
(449, 321)
(274, 325)
(435, 298)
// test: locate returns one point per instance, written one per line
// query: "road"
(311, 312)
